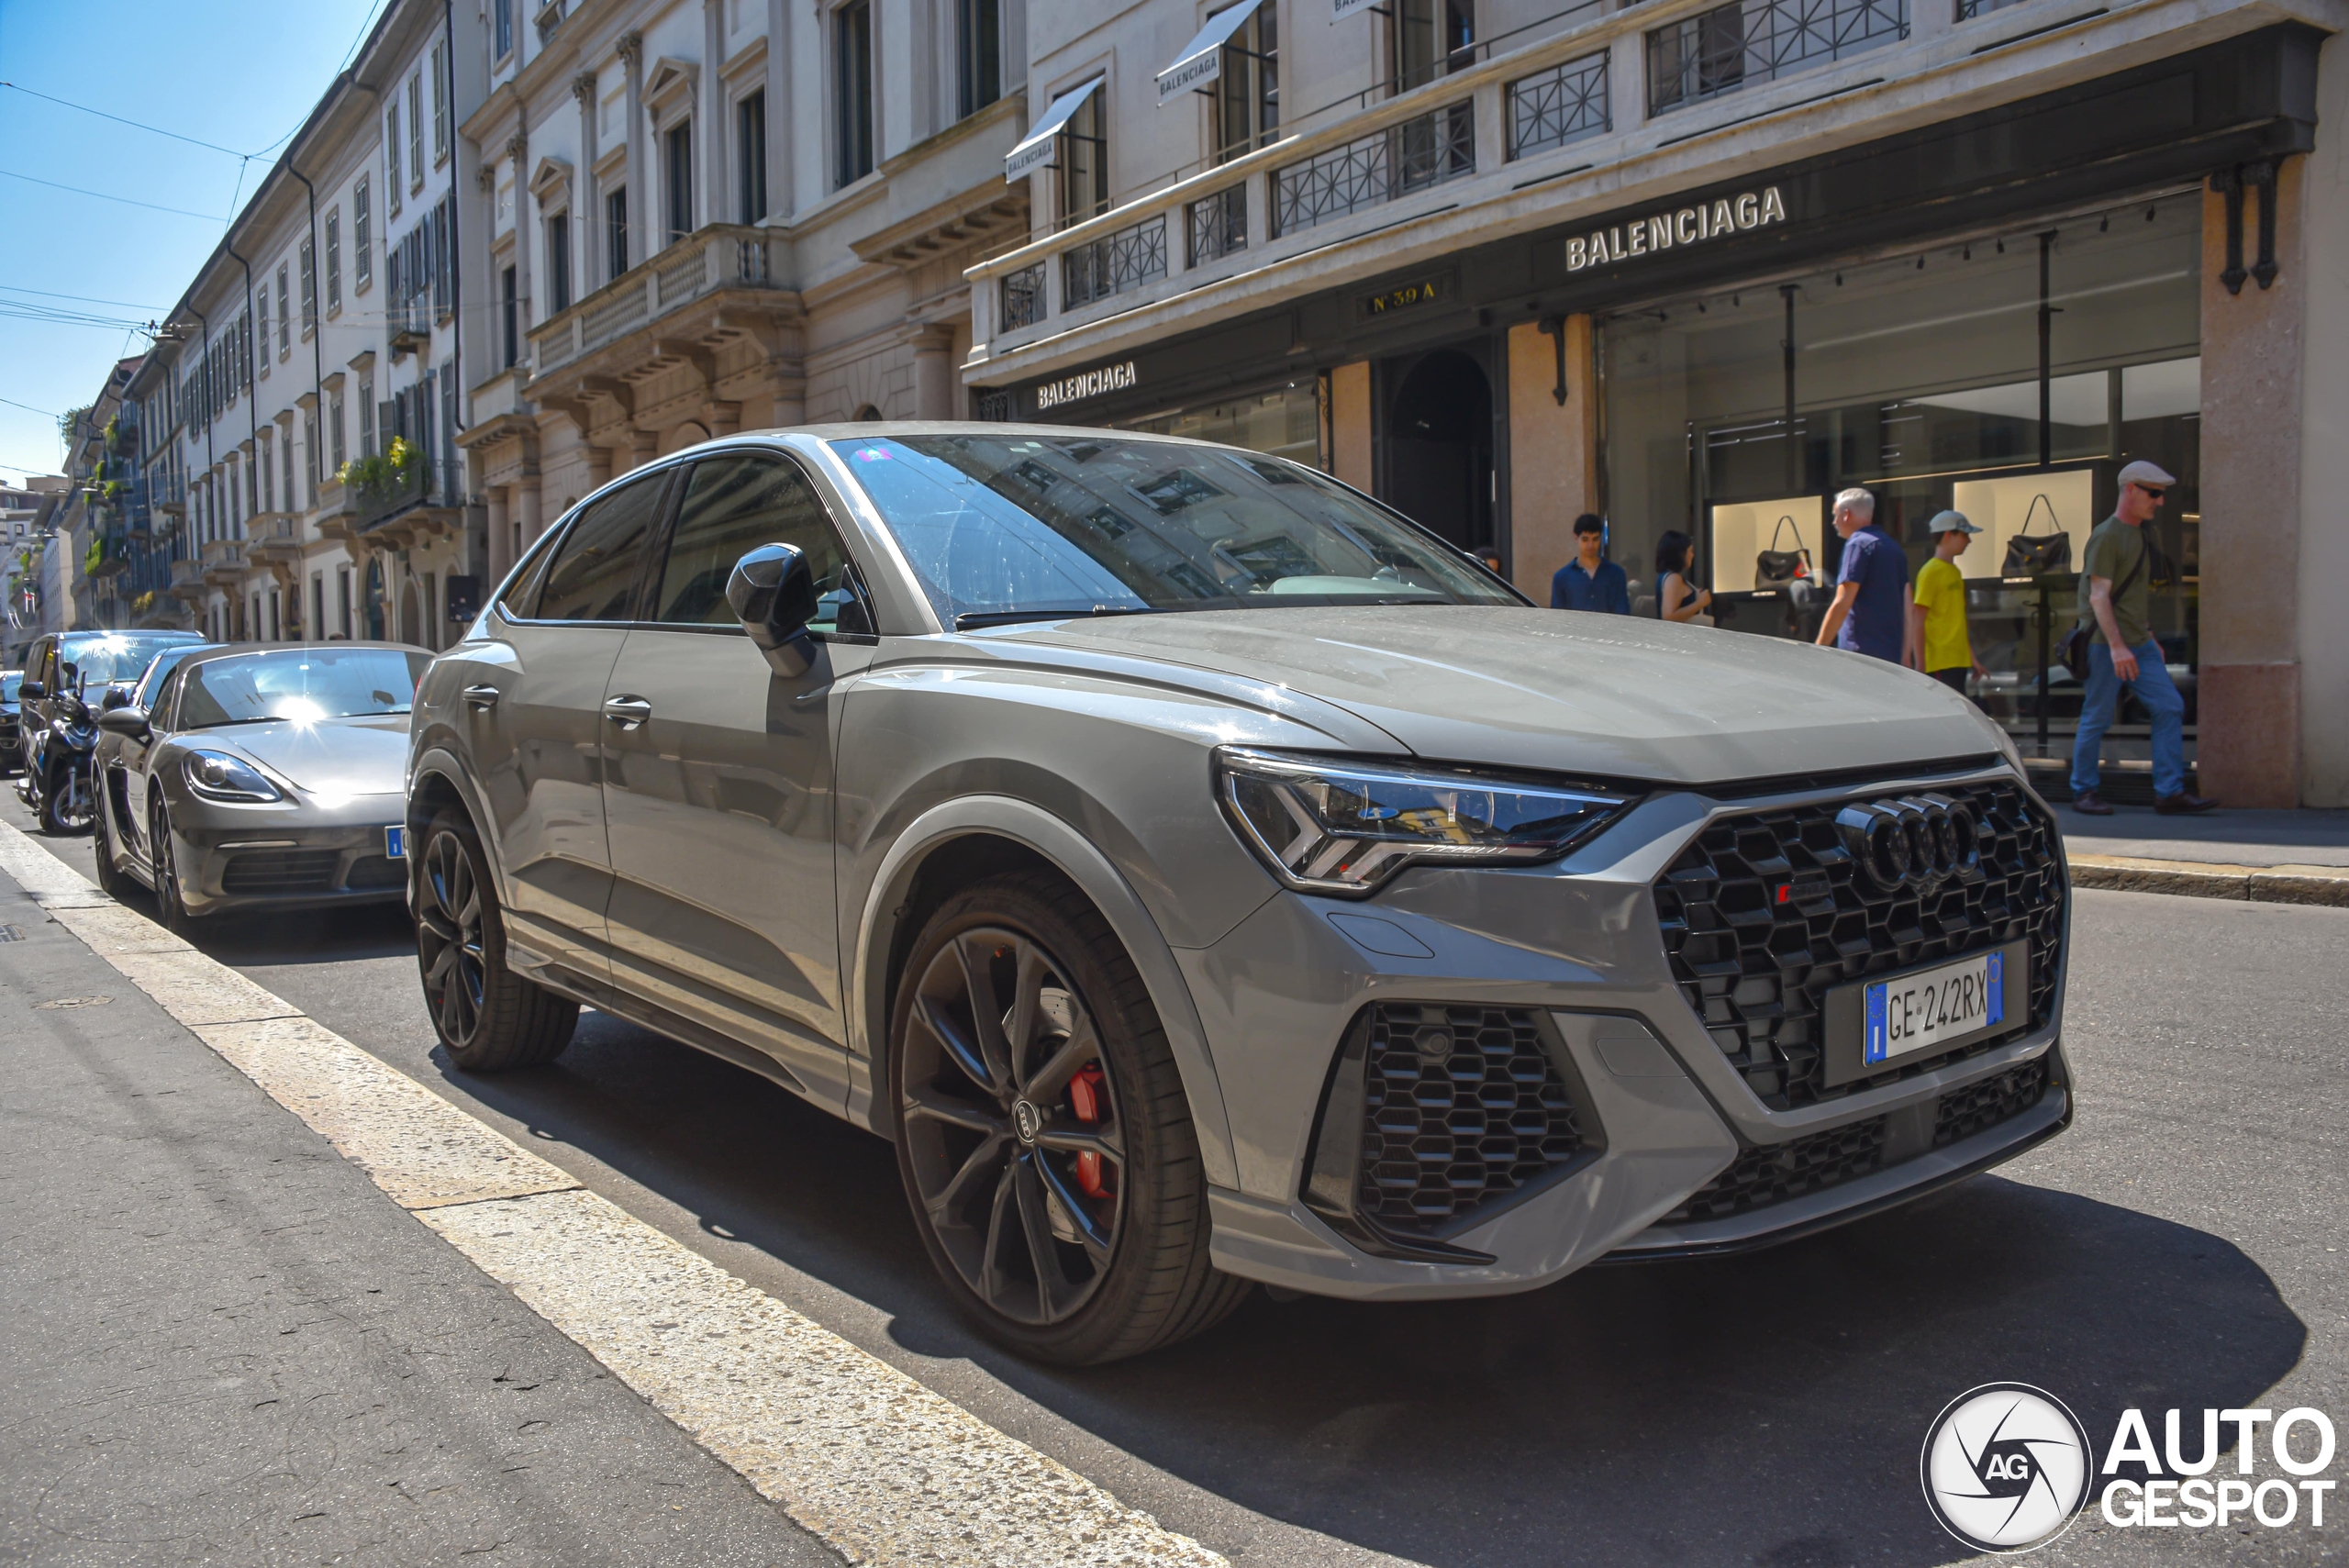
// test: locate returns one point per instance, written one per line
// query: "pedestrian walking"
(1940, 634)
(1591, 581)
(1870, 612)
(1675, 597)
(2115, 607)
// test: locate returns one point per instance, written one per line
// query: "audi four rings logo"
(1914, 844)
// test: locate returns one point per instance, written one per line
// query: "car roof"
(243, 650)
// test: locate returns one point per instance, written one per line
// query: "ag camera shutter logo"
(2006, 1467)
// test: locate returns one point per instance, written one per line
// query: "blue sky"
(241, 76)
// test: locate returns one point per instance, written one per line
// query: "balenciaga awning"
(1201, 61)
(1036, 148)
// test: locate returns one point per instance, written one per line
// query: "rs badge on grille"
(1802, 890)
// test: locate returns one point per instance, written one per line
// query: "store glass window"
(2008, 376)
(1284, 422)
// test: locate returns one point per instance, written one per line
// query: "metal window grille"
(995, 406)
(1217, 224)
(1023, 296)
(1416, 155)
(1555, 107)
(1750, 41)
(1113, 263)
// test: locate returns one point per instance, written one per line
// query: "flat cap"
(2143, 473)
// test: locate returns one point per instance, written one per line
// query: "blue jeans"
(2155, 690)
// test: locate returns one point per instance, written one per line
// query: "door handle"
(627, 712)
(481, 697)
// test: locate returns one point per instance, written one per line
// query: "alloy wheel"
(1011, 1119)
(448, 933)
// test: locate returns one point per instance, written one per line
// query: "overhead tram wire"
(135, 125)
(105, 197)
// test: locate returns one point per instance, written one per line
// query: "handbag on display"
(2027, 555)
(1774, 568)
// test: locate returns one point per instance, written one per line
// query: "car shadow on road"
(1764, 1408)
(253, 940)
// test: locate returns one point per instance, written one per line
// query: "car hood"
(1567, 691)
(332, 756)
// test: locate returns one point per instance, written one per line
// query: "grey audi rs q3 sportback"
(1206, 876)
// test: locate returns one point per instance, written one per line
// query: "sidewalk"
(2277, 857)
(221, 1344)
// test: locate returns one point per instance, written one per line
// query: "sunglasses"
(2155, 492)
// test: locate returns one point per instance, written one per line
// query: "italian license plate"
(1934, 1009)
(1877, 1023)
(395, 842)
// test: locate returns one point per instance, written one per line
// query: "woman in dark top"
(1675, 597)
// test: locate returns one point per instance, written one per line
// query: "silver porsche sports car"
(259, 776)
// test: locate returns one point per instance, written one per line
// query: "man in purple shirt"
(1870, 614)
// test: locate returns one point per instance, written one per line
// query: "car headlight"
(1325, 825)
(216, 776)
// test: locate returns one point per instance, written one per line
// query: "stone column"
(501, 532)
(528, 517)
(641, 230)
(1553, 450)
(2253, 348)
(643, 447)
(934, 373)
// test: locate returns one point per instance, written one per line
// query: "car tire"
(169, 904)
(113, 881)
(489, 1019)
(1059, 1262)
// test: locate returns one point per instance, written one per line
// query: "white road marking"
(876, 1464)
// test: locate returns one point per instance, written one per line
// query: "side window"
(159, 712)
(733, 505)
(519, 599)
(594, 574)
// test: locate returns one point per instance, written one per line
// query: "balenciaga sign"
(1084, 384)
(1667, 230)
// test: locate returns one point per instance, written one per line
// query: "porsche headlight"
(216, 776)
(1325, 825)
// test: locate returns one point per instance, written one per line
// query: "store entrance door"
(1439, 446)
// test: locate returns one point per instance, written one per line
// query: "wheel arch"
(435, 783)
(963, 840)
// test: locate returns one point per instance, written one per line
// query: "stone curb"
(2202, 879)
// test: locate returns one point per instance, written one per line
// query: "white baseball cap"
(1951, 523)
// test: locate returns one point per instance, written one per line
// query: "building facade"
(1697, 267)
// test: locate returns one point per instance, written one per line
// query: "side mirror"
(773, 594)
(126, 721)
(31, 691)
(118, 696)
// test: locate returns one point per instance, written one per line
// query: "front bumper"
(1678, 1155)
(286, 857)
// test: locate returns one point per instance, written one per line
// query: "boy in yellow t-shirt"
(1939, 605)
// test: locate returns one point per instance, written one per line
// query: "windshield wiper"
(971, 620)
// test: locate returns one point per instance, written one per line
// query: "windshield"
(1004, 527)
(169, 660)
(117, 656)
(300, 687)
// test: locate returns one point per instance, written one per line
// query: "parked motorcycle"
(57, 781)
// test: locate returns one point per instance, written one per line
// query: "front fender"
(440, 765)
(1082, 863)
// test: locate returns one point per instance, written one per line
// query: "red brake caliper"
(1084, 1094)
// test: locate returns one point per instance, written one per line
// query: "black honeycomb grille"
(1462, 1104)
(1983, 1104)
(1795, 1168)
(370, 872)
(281, 871)
(1758, 971)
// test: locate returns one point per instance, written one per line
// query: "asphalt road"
(2178, 1247)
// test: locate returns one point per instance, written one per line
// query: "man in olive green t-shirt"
(2116, 605)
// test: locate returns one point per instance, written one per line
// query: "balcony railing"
(1561, 105)
(407, 321)
(1023, 297)
(1373, 170)
(424, 482)
(721, 257)
(1115, 263)
(1217, 224)
(1753, 41)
